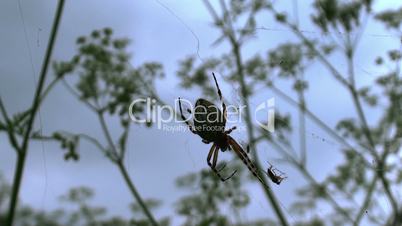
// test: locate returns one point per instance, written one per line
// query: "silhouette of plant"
(107, 84)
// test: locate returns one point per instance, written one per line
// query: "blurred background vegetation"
(362, 189)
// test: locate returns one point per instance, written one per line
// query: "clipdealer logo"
(168, 118)
(269, 107)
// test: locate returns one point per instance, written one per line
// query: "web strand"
(39, 110)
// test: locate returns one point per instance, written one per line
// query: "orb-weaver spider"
(209, 124)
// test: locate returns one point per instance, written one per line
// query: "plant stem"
(356, 101)
(367, 132)
(35, 105)
(230, 34)
(10, 130)
(302, 123)
(124, 172)
(367, 199)
(320, 123)
(250, 132)
(135, 193)
(311, 179)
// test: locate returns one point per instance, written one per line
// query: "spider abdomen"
(208, 121)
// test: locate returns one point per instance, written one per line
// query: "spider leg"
(223, 166)
(270, 165)
(215, 160)
(215, 150)
(221, 99)
(205, 141)
(275, 170)
(246, 160)
(192, 129)
(211, 151)
(281, 179)
(278, 172)
(230, 130)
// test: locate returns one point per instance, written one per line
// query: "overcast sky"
(156, 158)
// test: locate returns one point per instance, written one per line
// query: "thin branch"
(342, 80)
(311, 179)
(83, 136)
(4, 111)
(124, 136)
(246, 24)
(137, 196)
(74, 93)
(226, 32)
(302, 127)
(212, 11)
(358, 106)
(92, 140)
(337, 75)
(48, 88)
(226, 18)
(244, 94)
(365, 127)
(356, 100)
(108, 136)
(320, 56)
(10, 130)
(320, 123)
(46, 92)
(367, 200)
(361, 31)
(35, 105)
(124, 172)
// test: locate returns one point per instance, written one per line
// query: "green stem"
(367, 199)
(250, 132)
(230, 34)
(9, 127)
(108, 136)
(46, 92)
(311, 179)
(124, 172)
(356, 101)
(321, 124)
(113, 154)
(302, 124)
(135, 193)
(35, 105)
(367, 132)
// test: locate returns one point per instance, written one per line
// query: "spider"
(275, 175)
(209, 123)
